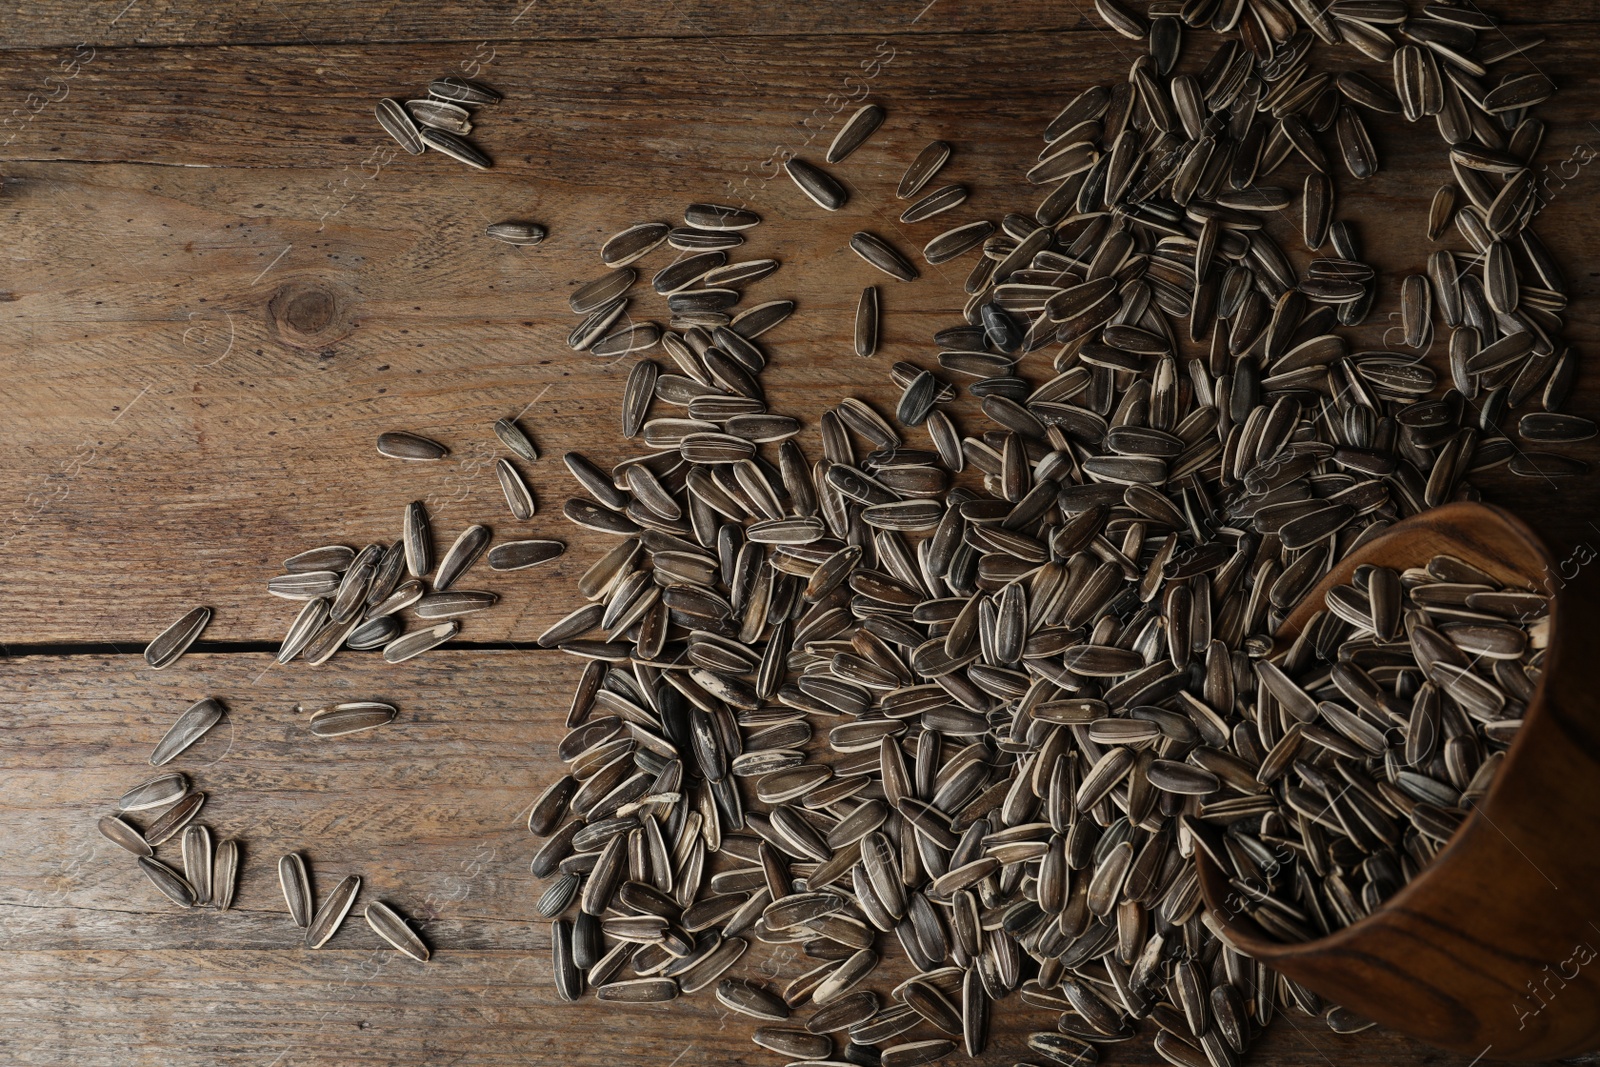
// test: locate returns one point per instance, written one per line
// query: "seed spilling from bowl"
(992, 693)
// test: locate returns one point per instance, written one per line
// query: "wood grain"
(60, 23)
(512, 21)
(101, 970)
(177, 422)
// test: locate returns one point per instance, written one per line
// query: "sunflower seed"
(796, 1044)
(174, 818)
(719, 217)
(169, 881)
(351, 595)
(338, 719)
(440, 114)
(119, 832)
(397, 123)
(516, 233)
(1119, 18)
(515, 555)
(296, 885)
(461, 91)
(419, 641)
(461, 555)
(457, 148)
(866, 334)
(160, 790)
(1523, 90)
(418, 539)
(876, 251)
(818, 185)
(928, 163)
(634, 337)
(935, 203)
(755, 321)
(952, 243)
(519, 498)
(392, 927)
(597, 324)
(225, 873)
(634, 243)
(330, 639)
(175, 640)
(602, 291)
(325, 923)
(855, 131)
(198, 862)
(192, 725)
(454, 602)
(751, 998)
(398, 444)
(374, 632)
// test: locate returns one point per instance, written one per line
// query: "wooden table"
(221, 282)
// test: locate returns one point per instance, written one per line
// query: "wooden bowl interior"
(1487, 537)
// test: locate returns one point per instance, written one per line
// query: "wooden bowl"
(1491, 951)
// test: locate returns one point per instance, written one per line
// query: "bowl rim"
(1241, 931)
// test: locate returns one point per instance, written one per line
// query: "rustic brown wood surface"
(221, 282)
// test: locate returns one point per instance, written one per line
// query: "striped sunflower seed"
(441, 115)
(225, 873)
(169, 881)
(397, 123)
(937, 202)
(866, 332)
(330, 914)
(635, 242)
(296, 885)
(462, 91)
(198, 860)
(880, 254)
(190, 727)
(468, 546)
(516, 233)
(419, 641)
(515, 555)
(175, 640)
(822, 188)
(928, 163)
(393, 928)
(398, 444)
(457, 148)
(719, 217)
(335, 720)
(120, 832)
(158, 791)
(855, 131)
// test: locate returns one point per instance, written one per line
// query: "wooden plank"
(58, 23)
(429, 810)
(177, 421)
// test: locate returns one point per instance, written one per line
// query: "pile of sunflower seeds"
(440, 121)
(1047, 691)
